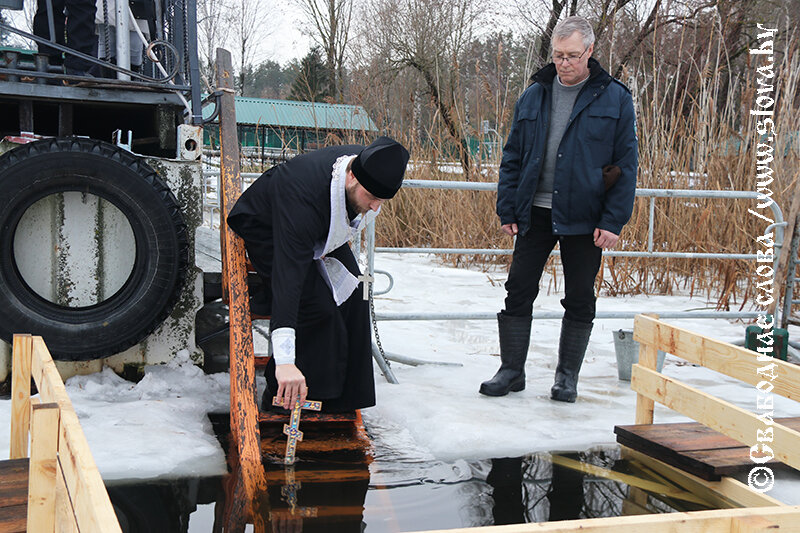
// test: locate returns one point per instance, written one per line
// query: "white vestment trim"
(341, 282)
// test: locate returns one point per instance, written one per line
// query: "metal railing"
(169, 60)
(652, 194)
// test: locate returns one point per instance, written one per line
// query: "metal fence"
(650, 252)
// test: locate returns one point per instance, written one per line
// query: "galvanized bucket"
(627, 351)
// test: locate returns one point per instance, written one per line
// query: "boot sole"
(516, 387)
(565, 398)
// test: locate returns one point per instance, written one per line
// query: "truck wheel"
(159, 254)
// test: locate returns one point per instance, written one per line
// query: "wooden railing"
(762, 513)
(65, 490)
(719, 415)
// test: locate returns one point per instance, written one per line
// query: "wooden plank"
(733, 361)
(632, 481)
(785, 519)
(14, 495)
(727, 492)
(752, 524)
(20, 396)
(648, 357)
(84, 484)
(678, 460)
(12, 473)
(65, 520)
(714, 413)
(270, 417)
(42, 481)
(693, 446)
(13, 518)
(244, 412)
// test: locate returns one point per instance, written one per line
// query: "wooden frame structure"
(744, 510)
(66, 492)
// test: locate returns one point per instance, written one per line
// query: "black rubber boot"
(515, 336)
(571, 349)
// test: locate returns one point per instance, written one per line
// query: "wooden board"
(692, 447)
(325, 436)
(13, 495)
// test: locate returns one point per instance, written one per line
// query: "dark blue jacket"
(601, 131)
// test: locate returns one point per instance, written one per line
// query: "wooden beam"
(733, 361)
(42, 480)
(20, 396)
(752, 524)
(632, 481)
(86, 489)
(726, 493)
(784, 519)
(65, 514)
(717, 414)
(244, 412)
(645, 406)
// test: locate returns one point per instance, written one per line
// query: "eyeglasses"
(572, 58)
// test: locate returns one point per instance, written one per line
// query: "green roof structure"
(305, 115)
(287, 124)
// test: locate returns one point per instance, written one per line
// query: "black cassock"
(282, 217)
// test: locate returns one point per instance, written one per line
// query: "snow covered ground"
(158, 428)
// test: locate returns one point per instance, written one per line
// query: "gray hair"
(570, 25)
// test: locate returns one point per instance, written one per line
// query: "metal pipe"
(791, 279)
(651, 224)
(558, 315)
(123, 38)
(498, 251)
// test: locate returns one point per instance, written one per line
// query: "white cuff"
(283, 346)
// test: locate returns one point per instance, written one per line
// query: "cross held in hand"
(292, 429)
(367, 279)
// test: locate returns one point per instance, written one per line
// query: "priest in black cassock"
(296, 221)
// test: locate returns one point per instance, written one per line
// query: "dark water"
(392, 493)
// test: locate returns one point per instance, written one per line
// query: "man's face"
(359, 198)
(571, 58)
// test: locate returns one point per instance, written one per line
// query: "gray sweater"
(560, 110)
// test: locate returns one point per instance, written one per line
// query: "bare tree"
(248, 21)
(213, 29)
(329, 22)
(429, 37)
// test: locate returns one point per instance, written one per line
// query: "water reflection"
(344, 493)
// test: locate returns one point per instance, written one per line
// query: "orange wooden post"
(244, 412)
(20, 396)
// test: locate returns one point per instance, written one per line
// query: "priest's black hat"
(379, 168)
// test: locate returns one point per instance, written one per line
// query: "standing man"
(296, 221)
(568, 176)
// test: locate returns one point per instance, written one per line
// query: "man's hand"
(604, 239)
(510, 229)
(291, 384)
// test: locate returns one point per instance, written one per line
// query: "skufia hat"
(379, 168)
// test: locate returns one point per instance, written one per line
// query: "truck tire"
(39, 169)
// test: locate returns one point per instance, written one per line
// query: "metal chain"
(375, 326)
(106, 33)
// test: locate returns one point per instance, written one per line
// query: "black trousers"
(80, 34)
(580, 259)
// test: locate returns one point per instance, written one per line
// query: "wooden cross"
(292, 429)
(367, 279)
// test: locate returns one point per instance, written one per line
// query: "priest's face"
(358, 197)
